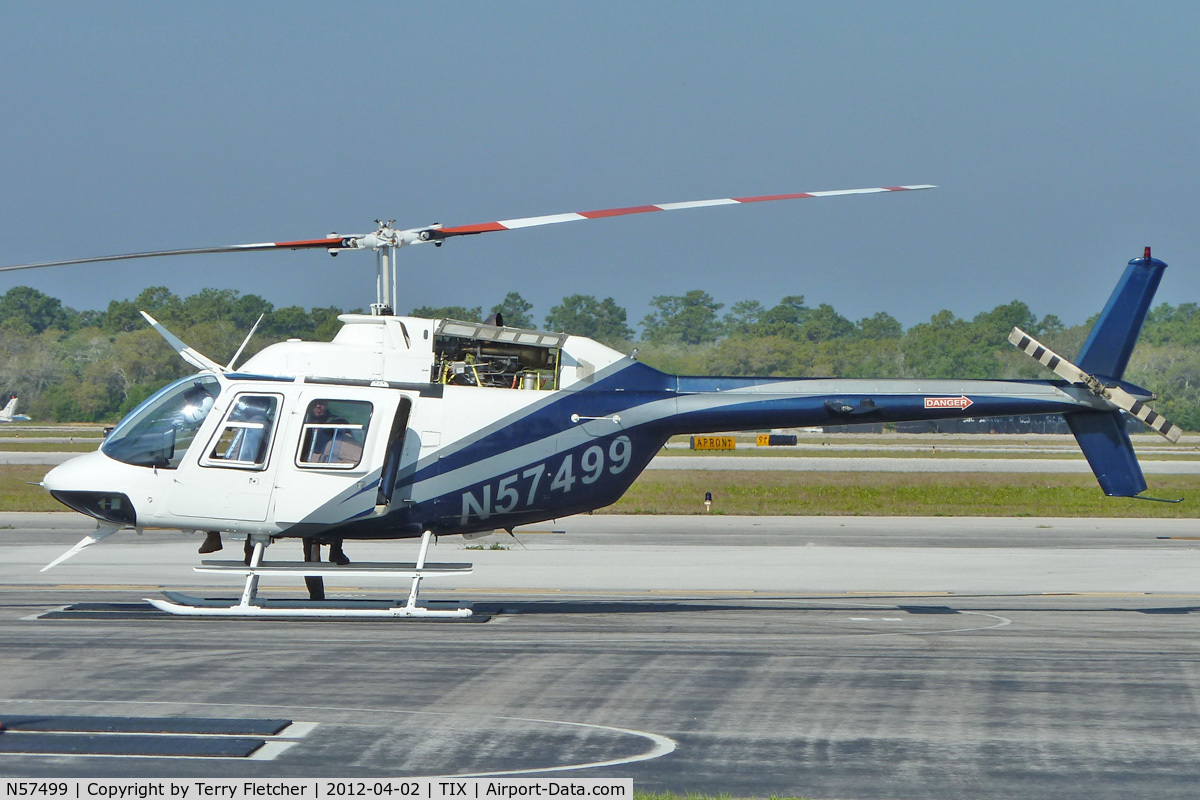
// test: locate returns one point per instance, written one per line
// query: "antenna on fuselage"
(245, 342)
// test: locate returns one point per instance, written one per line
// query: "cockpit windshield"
(158, 432)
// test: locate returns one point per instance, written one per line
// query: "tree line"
(69, 365)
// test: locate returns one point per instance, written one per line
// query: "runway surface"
(823, 657)
(34, 458)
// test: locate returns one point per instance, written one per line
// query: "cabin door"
(338, 443)
(233, 476)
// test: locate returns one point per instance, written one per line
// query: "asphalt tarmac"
(822, 657)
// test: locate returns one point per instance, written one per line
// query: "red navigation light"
(1147, 252)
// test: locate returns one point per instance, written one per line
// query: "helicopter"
(403, 427)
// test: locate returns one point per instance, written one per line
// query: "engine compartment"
(482, 354)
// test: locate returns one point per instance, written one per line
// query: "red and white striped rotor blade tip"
(550, 219)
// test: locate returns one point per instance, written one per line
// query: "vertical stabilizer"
(1102, 360)
(9, 410)
(1105, 444)
(1108, 347)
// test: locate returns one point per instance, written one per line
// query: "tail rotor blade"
(1114, 394)
(1048, 358)
(1124, 400)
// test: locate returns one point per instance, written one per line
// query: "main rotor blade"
(327, 243)
(550, 219)
(387, 236)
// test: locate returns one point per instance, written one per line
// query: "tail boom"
(821, 402)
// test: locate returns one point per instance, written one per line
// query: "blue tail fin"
(1108, 347)
(1105, 444)
(1105, 354)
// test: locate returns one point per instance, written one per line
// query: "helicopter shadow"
(605, 607)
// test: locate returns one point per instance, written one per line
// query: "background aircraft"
(9, 412)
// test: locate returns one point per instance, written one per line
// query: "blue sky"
(1063, 137)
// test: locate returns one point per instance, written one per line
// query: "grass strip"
(1073, 454)
(17, 446)
(826, 453)
(15, 432)
(737, 492)
(17, 495)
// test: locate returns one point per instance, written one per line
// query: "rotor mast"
(386, 241)
(385, 288)
(385, 281)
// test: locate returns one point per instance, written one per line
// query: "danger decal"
(961, 401)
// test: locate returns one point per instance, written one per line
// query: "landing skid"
(187, 605)
(251, 605)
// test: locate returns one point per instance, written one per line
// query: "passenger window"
(334, 433)
(245, 437)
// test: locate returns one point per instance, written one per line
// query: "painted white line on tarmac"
(660, 745)
(270, 751)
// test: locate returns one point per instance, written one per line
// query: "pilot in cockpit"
(197, 402)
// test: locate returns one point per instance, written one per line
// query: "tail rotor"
(1112, 392)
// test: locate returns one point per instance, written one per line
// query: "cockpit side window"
(334, 433)
(244, 440)
(159, 431)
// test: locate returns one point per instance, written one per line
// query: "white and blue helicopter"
(404, 427)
